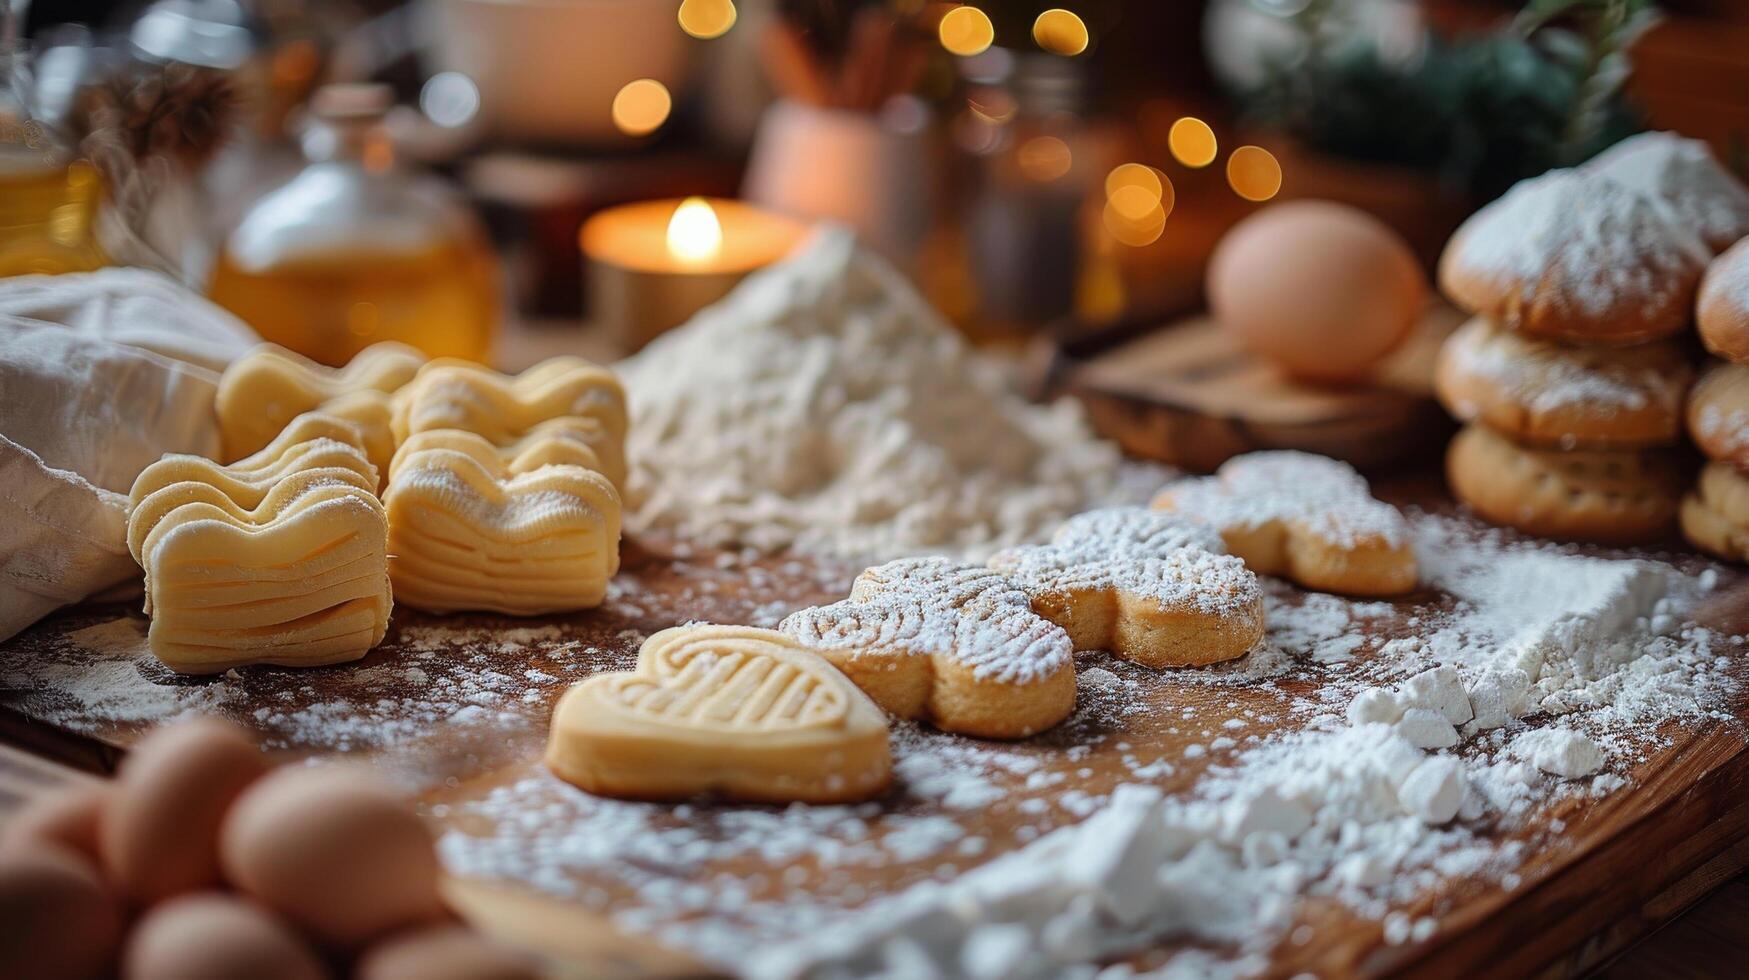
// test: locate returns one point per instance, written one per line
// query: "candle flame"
(694, 233)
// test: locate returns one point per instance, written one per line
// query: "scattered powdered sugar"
(1597, 243)
(1371, 773)
(823, 406)
(1320, 495)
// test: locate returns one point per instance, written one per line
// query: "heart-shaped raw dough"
(731, 711)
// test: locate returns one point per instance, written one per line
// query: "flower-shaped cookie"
(1148, 586)
(1308, 517)
(732, 711)
(953, 643)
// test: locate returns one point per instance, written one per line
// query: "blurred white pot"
(548, 69)
(844, 166)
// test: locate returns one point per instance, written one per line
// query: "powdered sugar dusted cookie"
(1149, 586)
(1307, 517)
(1572, 397)
(1723, 314)
(1715, 517)
(1683, 175)
(954, 643)
(1718, 414)
(1605, 497)
(730, 711)
(1575, 256)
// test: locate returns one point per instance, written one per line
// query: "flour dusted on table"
(825, 407)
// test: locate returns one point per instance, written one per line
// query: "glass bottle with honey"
(355, 250)
(48, 197)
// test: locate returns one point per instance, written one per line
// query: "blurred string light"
(965, 30)
(1137, 200)
(1061, 32)
(641, 107)
(1044, 158)
(706, 19)
(1192, 142)
(1254, 173)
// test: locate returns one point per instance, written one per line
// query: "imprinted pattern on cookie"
(1149, 586)
(467, 532)
(730, 711)
(281, 559)
(954, 643)
(262, 391)
(504, 410)
(1308, 517)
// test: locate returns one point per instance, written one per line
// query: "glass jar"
(48, 197)
(354, 249)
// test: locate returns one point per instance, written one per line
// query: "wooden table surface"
(455, 709)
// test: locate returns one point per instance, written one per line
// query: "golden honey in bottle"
(354, 250)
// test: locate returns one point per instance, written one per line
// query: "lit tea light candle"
(653, 264)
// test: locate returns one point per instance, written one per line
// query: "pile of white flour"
(824, 407)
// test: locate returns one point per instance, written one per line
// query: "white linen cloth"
(100, 374)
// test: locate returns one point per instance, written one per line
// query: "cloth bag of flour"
(100, 374)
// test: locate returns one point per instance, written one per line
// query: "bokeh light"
(1138, 198)
(694, 233)
(1044, 158)
(450, 99)
(705, 19)
(966, 31)
(1136, 175)
(1192, 142)
(641, 107)
(1060, 31)
(1254, 173)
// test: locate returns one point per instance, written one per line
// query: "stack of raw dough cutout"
(278, 558)
(502, 496)
(1573, 375)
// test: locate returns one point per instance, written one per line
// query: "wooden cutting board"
(455, 709)
(1184, 393)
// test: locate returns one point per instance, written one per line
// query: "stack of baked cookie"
(1572, 377)
(1715, 517)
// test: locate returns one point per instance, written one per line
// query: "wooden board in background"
(1185, 394)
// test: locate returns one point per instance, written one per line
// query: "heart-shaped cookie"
(730, 711)
(1149, 586)
(466, 532)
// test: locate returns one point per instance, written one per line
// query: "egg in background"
(1323, 290)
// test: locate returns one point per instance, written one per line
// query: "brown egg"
(213, 936)
(335, 852)
(159, 835)
(1321, 289)
(443, 952)
(66, 815)
(58, 919)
